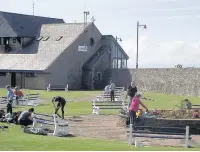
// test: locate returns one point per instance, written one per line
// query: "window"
(39, 38)
(14, 40)
(2, 73)
(46, 38)
(30, 74)
(99, 76)
(59, 38)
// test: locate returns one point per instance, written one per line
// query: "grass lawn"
(15, 139)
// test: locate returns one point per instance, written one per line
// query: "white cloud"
(155, 54)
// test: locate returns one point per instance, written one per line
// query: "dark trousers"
(25, 122)
(9, 108)
(112, 95)
(17, 100)
(132, 115)
(62, 106)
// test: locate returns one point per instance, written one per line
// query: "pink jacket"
(135, 104)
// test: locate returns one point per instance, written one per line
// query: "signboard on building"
(82, 48)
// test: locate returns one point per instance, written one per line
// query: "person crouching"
(25, 118)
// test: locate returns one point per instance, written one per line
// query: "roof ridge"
(89, 23)
(30, 15)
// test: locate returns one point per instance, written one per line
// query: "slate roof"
(20, 25)
(41, 54)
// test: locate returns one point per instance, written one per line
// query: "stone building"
(37, 51)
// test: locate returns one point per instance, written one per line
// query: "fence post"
(187, 136)
(131, 135)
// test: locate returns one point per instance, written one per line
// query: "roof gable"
(5, 28)
(24, 25)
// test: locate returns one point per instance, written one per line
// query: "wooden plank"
(110, 108)
(162, 137)
(157, 127)
(152, 132)
(108, 105)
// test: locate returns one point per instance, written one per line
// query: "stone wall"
(185, 81)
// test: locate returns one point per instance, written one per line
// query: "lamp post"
(120, 39)
(138, 25)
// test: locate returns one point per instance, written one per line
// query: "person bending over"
(25, 118)
(61, 104)
(134, 108)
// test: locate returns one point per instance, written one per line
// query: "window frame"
(59, 38)
(46, 38)
(30, 74)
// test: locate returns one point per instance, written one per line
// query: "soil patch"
(107, 127)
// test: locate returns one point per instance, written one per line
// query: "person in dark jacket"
(131, 91)
(61, 104)
(25, 118)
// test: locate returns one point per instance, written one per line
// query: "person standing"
(9, 99)
(112, 91)
(61, 104)
(131, 91)
(134, 108)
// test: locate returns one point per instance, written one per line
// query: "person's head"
(132, 84)
(8, 87)
(110, 81)
(138, 95)
(16, 88)
(186, 100)
(53, 99)
(31, 110)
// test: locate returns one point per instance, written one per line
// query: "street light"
(138, 25)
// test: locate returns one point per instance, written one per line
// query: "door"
(13, 79)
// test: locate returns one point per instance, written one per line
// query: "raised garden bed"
(167, 118)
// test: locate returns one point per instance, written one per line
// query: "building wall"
(121, 77)
(67, 69)
(4, 80)
(38, 82)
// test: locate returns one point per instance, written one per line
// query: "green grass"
(15, 139)
(164, 101)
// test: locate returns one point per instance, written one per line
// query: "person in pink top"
(134, 108)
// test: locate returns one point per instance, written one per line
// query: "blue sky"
(172, 36)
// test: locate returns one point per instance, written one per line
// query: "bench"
(175, 133)
(104, 96)
(57, 87)
(107, 106)
(119, 89)
(60, 128)
(31, 99)
(195, 106)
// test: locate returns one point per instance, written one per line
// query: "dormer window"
(39, 38)
(46, 38)
(59, 38)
